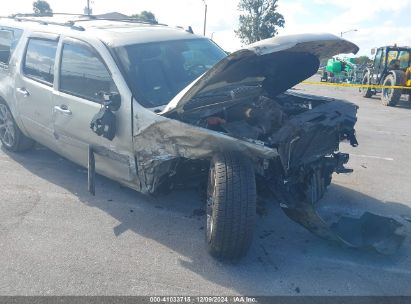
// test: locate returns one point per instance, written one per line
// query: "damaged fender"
(161, 144)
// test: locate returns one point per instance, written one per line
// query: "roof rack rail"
(47, 15)
(131, 20)
(70, 24)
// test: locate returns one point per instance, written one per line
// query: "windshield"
(158, 71)
(401, 57)
(404, 59)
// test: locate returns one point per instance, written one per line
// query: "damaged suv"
(146, 105)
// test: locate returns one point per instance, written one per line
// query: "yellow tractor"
(391, 67)
(408, 78)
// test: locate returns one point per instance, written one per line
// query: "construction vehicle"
(391, 68)
(342, 70)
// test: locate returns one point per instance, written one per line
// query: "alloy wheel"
(7, 129)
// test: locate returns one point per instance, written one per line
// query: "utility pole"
(87, 9)
(205, 18)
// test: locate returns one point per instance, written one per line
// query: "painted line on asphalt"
(372, 156)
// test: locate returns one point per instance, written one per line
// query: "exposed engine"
(259, 118)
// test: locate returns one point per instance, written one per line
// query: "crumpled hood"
(274, 65)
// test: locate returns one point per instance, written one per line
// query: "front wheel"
(11, 136)
(365, 92)
(231, 205)
(391, 96)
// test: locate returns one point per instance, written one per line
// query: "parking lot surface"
(56, 239)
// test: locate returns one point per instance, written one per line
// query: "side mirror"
(112, 100)
(373, 51)
(6, 40)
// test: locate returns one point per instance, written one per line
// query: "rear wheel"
(390, 96)
(365, 92)
(231, 206)
(11, 136)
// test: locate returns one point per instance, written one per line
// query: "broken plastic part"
(299, 199)
(343, 170)
(382, 234)
(104, 123)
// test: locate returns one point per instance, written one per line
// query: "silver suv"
(151, 106)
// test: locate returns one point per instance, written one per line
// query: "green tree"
(42, 7)
(259, 20)
(363, 60)
(145, 16)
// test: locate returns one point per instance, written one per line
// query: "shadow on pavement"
(281, 248)
(403, 103)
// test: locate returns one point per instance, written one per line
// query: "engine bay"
(258, 118)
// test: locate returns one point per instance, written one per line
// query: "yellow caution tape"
(370, 86)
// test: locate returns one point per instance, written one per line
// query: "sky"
(378, 22)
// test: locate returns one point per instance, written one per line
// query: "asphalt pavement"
(57, 239)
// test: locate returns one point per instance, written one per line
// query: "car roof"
(114, 33)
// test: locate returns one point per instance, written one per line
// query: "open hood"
(273, 65)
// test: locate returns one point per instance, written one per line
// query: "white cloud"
(222, 15)
(300, 16)
(363, 15)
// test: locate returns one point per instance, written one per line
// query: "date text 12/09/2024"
(203, 299)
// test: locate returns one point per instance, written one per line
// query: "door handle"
(23, 92)
(63, 109)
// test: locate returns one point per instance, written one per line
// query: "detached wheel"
(231, 206)
(366, 92)
(11, 136)
(389, 96)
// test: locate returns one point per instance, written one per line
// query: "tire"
(324, 77)
(390, 97)
(231, 206)
(366, 92)
(11, 136)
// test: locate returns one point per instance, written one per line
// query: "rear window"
(39, 60)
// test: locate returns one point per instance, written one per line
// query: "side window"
(377, 59)
(404, 59)
(83, 73)
(17, 33)
(9, 37)
(6, 40)
(39, 60)
(383, 58)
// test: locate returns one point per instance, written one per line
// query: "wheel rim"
(364, 82)
(7, 130)
(210, 203)
(387, 92)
